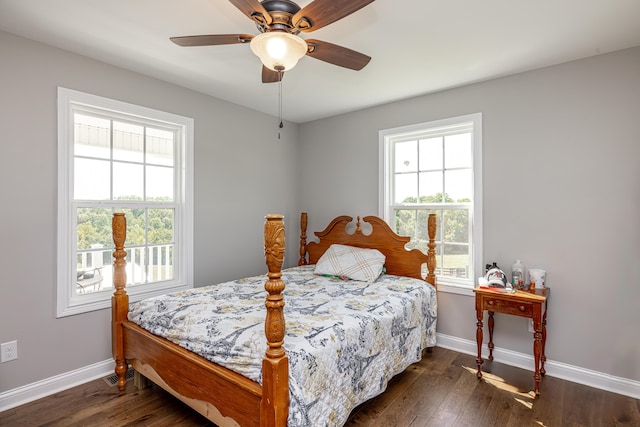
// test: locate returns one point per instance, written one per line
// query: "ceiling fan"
(278, 44)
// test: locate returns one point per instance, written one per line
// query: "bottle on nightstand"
(517, 275)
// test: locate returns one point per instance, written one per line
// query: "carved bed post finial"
(303, 239)
(431, 253)
(120, 299)
(274, 406)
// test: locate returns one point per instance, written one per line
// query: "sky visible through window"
(419, 166)
(132, 159)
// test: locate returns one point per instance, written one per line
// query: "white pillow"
(355, 263)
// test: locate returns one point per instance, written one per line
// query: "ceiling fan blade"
(254, 10)
(270, 76)
(337, 55)
(319, 13)
(211, 40)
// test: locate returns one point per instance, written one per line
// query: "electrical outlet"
(8, 351)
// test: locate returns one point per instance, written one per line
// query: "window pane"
(136, 226)
(128, 142)
(136, 267)
(405, 222)
(128, 181)
(456, 226)
(159, 183)
(91, 179)
(160, 225)
(160, 263)
(455, 260)
(431, 153)
(457, 151)
(91, 136)
(431, 187)
(406, 188)
(406, 155)
(456, 257)
(93, 229)
(458, 185)
(159, 147)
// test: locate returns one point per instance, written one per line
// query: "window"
(118, 157)
(435, 167)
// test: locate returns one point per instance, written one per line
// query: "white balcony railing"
(144, 265)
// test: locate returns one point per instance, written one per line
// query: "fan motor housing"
(281, 12)
(281, 6)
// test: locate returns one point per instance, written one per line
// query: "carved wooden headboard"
(399, 261)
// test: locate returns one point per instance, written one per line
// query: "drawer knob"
(490, 302)
(522, 308)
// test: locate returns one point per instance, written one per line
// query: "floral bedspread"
(344, 339)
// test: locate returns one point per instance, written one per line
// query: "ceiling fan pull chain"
(280, 103)
(280, 72)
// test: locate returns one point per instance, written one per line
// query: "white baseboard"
(560, 370)
(30, 392)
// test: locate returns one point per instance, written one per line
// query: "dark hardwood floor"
(441, 390)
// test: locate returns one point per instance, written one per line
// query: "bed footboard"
(221, 395)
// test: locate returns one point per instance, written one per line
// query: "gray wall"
(242, 172)
(561, 147)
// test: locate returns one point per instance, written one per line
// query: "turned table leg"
(537, 349)
(479, 338)
(491, 346)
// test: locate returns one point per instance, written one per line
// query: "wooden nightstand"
(531, 304)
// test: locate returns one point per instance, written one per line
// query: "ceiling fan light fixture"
(278, 51)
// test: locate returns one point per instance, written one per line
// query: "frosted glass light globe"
(278, 51)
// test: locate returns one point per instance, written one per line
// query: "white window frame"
(69, 302)
(386, 139)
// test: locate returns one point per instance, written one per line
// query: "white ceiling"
(417, 46)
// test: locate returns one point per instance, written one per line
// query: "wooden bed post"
(120, 299)
(274, 406)
(303, 239)
(431, 253)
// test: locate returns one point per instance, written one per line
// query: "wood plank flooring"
(441, 390)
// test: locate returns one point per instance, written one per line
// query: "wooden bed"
(224, 396)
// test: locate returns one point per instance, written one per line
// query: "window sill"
(85, 303)
(451, 288)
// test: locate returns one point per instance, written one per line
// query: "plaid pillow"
(360, 264)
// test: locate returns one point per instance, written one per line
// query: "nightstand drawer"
(517, 308)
